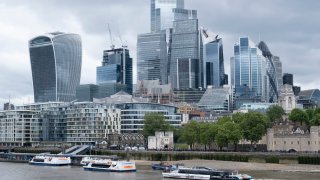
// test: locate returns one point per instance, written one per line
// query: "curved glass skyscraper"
(56, 66)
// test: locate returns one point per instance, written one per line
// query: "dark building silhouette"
(8, 106)
(296, 90)
(288, 79)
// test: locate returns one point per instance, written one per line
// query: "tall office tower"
(152, 57)
(56, 66)
(162, 15)
(278, 65)
(272, 80)
(188, 73)
(116, 68)
(288, 79)
(248, 68)
(186, 44)
(213, 60)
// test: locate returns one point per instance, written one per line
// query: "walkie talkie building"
(56, 66)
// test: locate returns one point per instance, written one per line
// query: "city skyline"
(293, 37)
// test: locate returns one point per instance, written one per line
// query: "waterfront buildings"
(88, 123)
(56, 66)
(161, 141)
(288, 138)
(116, 67)
(132, 115)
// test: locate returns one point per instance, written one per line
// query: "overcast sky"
(291, 29)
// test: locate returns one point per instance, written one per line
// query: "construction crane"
(112, 46)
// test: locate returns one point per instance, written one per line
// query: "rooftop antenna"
(111, 40)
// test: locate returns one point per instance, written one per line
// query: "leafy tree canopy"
(275, 112)
(154, 122)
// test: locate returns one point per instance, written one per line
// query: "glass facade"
(272, 80)
(132, 115)
(188, 95)
(162, 15)
(249, 68)
(116, 68)
(188, 73)
(56, 66)
(214, 64)
(278, 65)
(216, 99)
(185, 45)
(152, 57)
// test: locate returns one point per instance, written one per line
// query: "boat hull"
(108, 170)
(186, 176)
(47, 164)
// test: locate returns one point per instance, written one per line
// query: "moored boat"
(46, 160)
(86, 160)
(204, 173)
(112, 166)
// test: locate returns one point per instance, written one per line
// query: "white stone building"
(294, 139)
(161, 140)
(287, 99)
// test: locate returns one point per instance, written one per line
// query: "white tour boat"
(86, 160)
(112, 166)
(203, 173)
(46, 160)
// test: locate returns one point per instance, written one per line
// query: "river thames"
(24, 171)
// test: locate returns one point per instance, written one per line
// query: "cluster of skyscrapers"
(177, 51)
(178, 62)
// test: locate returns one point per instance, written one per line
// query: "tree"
(298, 115)
(275, 112)
(315, 121)
(190, 133)
(238, 117)
(254, 126)
(154, 122)
(310, 112)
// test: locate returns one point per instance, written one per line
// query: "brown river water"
(24, 171)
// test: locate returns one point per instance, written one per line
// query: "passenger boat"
(165, 166)
(46, 160)
(203, 173)
(112, 166)
(86, 160)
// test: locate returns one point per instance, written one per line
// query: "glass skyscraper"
(272, 80)
(152, 57)
(248, 68)
(161, 12)
(213, 59)
(56, 66)
(188, 73)
(116, 68)
(186, 44)
(278, 65)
